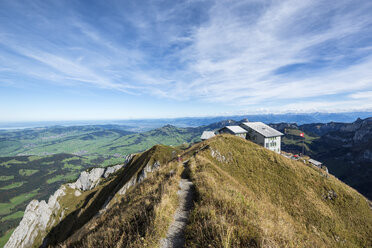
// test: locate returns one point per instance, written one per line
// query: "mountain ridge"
(240, 188)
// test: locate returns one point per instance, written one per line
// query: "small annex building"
(263, 135)
(315, 163)
(235, 130)
(207, 135)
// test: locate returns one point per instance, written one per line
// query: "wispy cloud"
(248, 54)
(365, 95)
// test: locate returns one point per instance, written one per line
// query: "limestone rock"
(140, 177)
(126, 186)
(36, 220)
(39, 216)
(112, 169)
(89, 180)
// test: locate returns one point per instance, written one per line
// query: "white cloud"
(232, 55)
(362, 95)
(236, 58)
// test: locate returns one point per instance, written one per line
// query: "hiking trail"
(175, 235)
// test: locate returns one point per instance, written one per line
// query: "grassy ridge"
(47, 169)
(137, 219)
(246, 196)
(251, 197)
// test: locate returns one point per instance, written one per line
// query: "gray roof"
(207, 135)
(262, 128)
(236, 129)
(314, 162)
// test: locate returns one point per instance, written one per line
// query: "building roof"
(236, 129)
(263, 129)
(314, 162)
(207, 135)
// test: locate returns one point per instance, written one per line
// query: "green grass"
(112, 161)
(6, 208)
(56, 179)
(47, 163)
(63, 177)
(27, 172)
(12, 186)
(72, 167)
(16, 215)
(10, 162)
(23, 197)
(71, 159)
(51, 171)
(6, 178)
(33, 158)
(108, 143)
(6, 237)
(292, 136)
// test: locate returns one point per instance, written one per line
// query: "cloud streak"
(245, 54)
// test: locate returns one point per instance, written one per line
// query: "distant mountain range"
(139, 125)
(345, 148)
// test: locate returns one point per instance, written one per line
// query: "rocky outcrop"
(90, 179)
(138, 178)
(219, 157)
(111, 170)
(148, 168)
(40, 216)
(36, 220)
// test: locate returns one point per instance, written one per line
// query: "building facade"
(263, 135)
(256, 132)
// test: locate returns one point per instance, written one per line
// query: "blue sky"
(74, 60)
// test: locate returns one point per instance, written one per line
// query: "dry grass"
(256, 198)
(138, 219)
(246, 196)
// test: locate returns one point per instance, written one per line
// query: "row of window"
(272, 144)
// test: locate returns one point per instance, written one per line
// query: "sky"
(93, 60)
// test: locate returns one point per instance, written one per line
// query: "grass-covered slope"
(58, 154)
(246, 196)
(251, 197)
(127, 216)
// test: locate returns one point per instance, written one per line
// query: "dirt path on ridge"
(175, 235)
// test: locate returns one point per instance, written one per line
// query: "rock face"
(40, 216)
(112, 169)
(90, 179)
(36, 220)
(136, 178)
(139, 178)
(347, 152)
